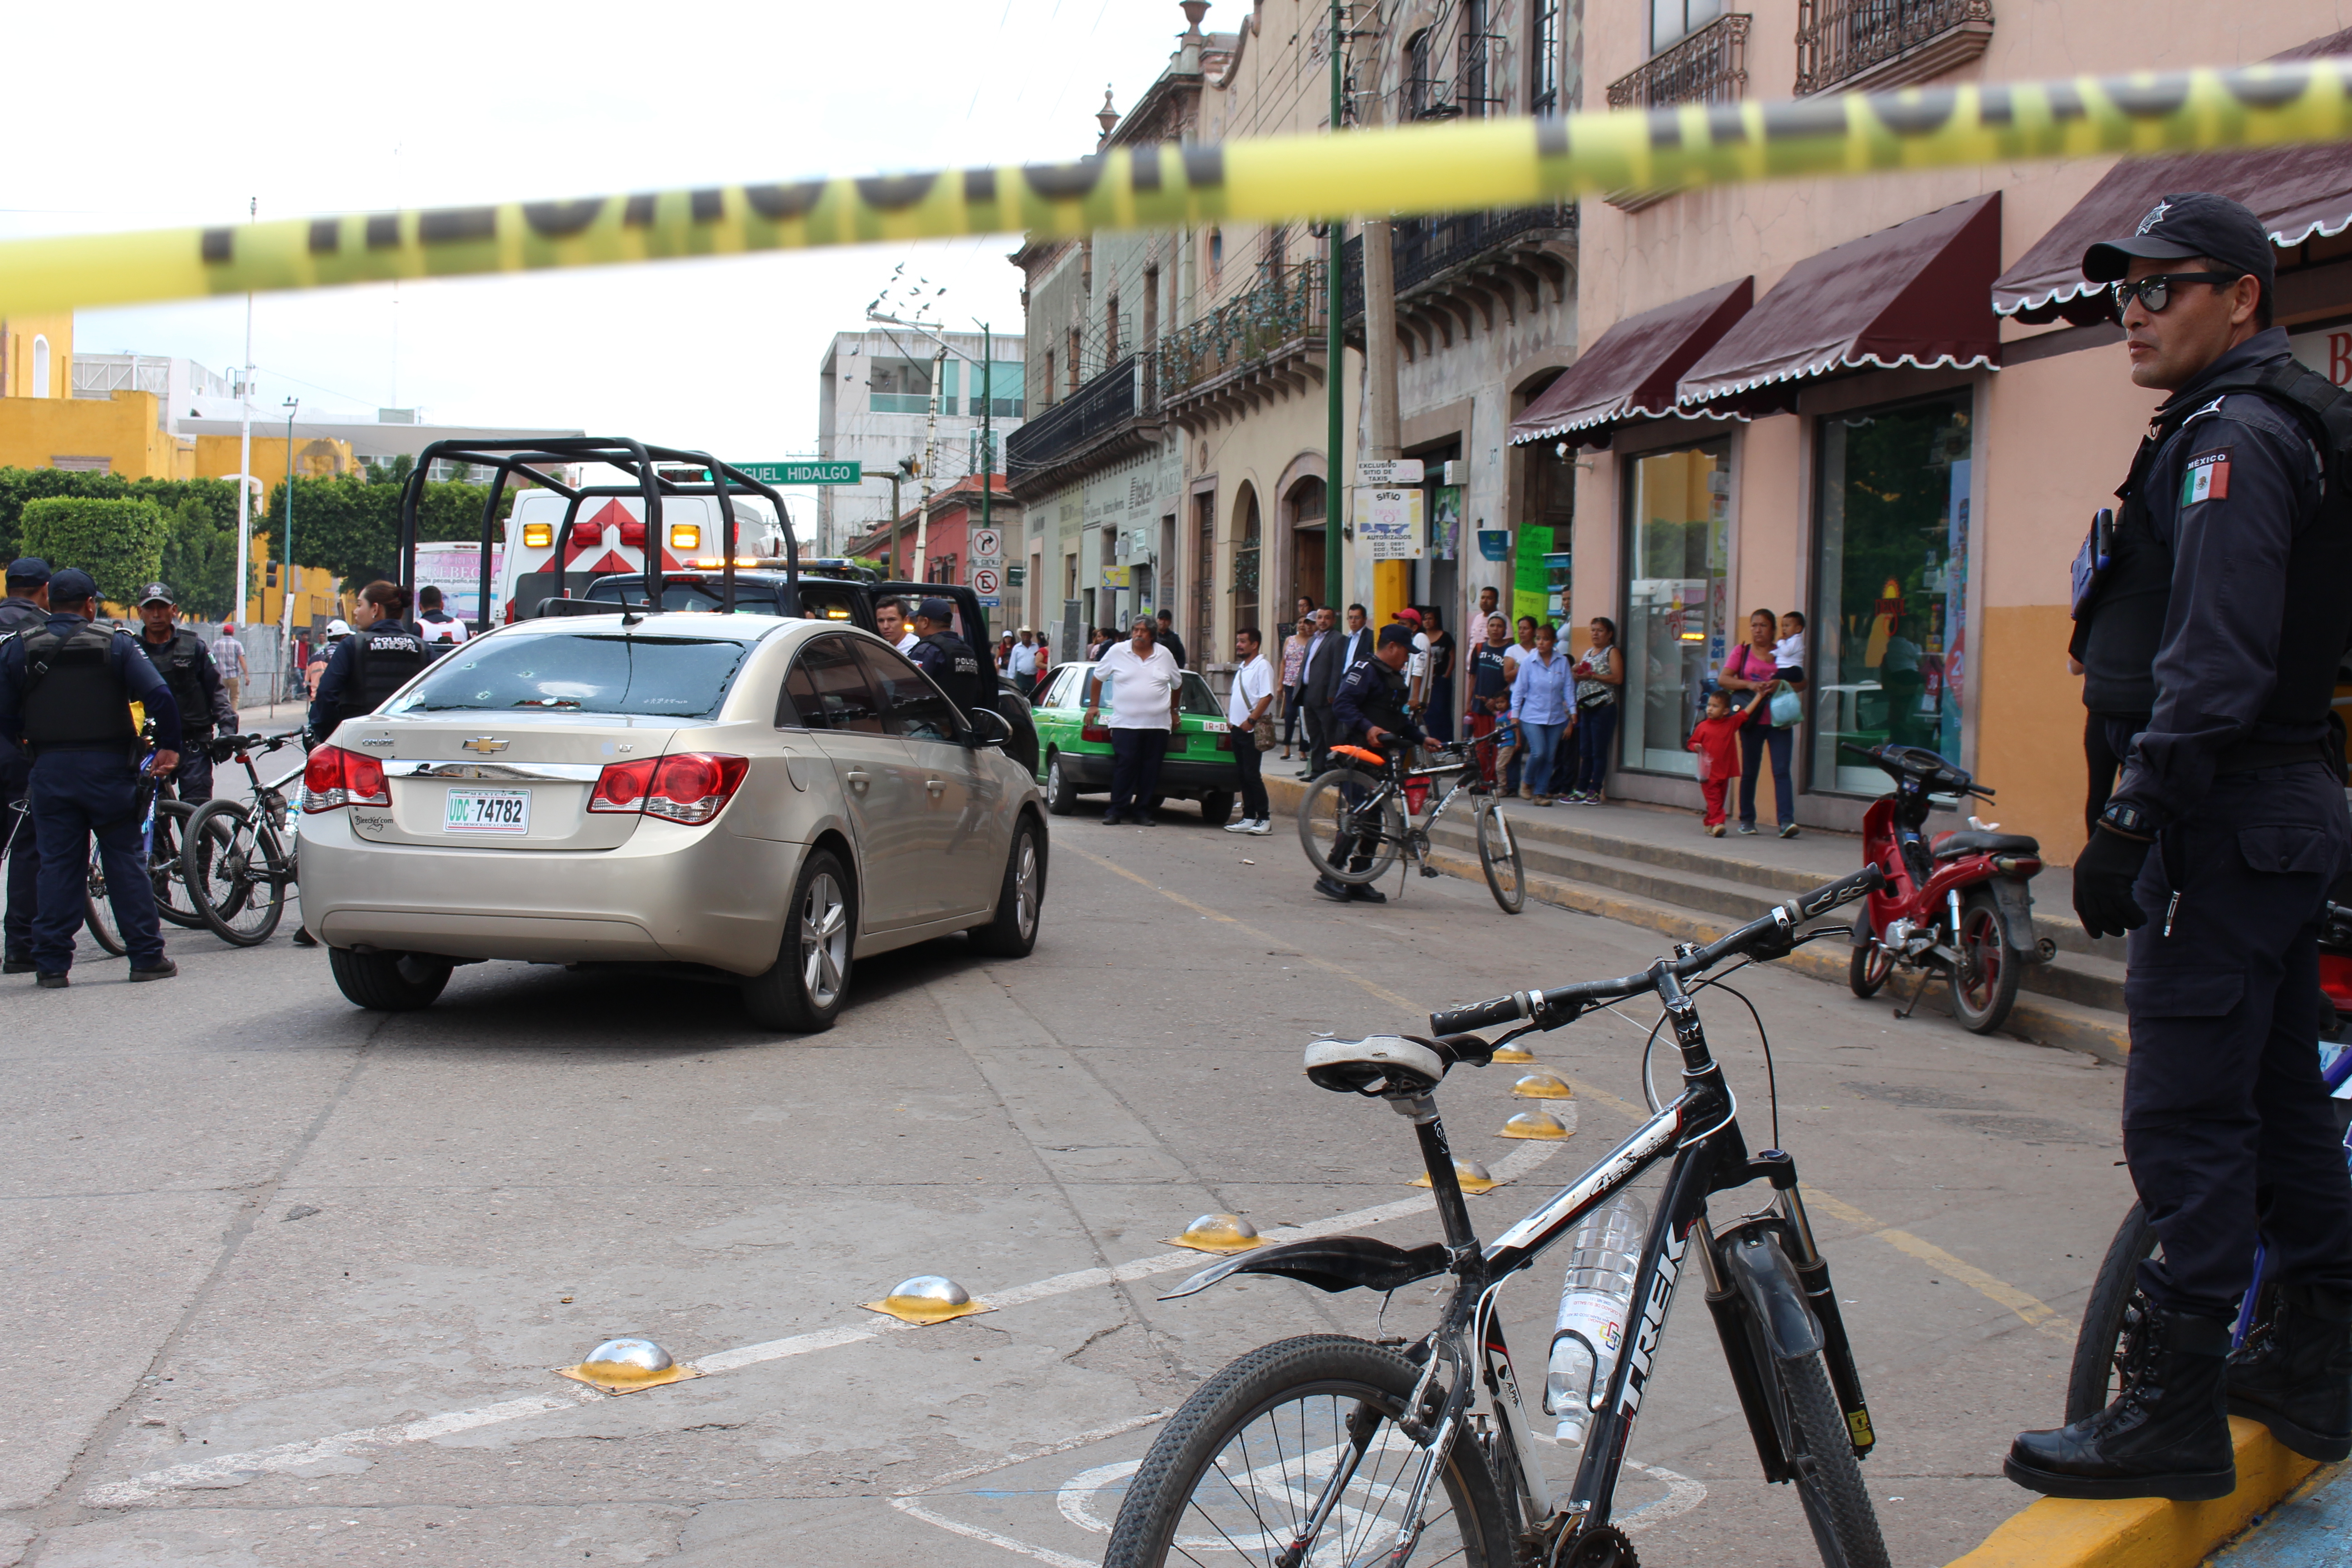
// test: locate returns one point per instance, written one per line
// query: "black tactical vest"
(176, 662)
(21, 616)
(74, 701)
(2122, 628)
(959, 675)
(384, 656)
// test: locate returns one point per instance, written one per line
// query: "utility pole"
(245, 451)
(286, 556)
(1335, 296)
(930, 465)
(987, 403)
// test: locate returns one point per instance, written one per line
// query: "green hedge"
(118, 543)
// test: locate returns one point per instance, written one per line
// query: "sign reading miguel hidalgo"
(1389, 523)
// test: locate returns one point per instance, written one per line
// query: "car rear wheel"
(388, 982)
(1217, 807)
(802, 991)
(1019, 901)
(1061, 799)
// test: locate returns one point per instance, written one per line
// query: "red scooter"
(1958, 906)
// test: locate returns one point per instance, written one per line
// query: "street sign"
(1389, 523)
(1396, 471)
(988, 544)
(987, 583)
(991, 601)
(1015, 576)
(803, 472)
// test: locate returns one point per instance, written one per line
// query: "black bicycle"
(239, 858)
(1375, 808)
(1330, 1449)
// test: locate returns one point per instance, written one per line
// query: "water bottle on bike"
(1596, 1295)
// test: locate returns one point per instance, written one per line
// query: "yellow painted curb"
(2146, 1532)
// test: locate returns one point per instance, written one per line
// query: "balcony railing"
(1285, 308)
(1421, 248)
(1708, 66)
(1886, 42)
(1099, 406)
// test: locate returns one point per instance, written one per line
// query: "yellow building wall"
(314, 456)
(35, 432)
(16, 345)
(315, 596)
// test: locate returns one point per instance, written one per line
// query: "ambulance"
(609, 535)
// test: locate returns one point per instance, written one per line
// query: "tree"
(199, 561)
(117, 543)
(351, 527)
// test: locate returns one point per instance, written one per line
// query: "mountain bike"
(1330, 1449)
(1380, 808)
(239, 858)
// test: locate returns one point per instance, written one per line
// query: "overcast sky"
(153, 115)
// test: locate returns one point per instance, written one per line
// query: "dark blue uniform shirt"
(343, 669)
(1372, 695)
(138, 675)
(2225, 494)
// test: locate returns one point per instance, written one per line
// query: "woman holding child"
(1755, 668)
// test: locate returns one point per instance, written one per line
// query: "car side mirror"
(989, 727)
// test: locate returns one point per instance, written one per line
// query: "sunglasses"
(2156, 292)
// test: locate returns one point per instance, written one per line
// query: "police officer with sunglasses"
(2221, 616)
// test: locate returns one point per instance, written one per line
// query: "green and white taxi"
(1074, 758)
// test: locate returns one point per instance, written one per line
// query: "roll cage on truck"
(839, 594)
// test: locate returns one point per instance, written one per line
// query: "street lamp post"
(286, 553)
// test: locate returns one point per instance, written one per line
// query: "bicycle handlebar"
(1769, 935)
(1876, 757)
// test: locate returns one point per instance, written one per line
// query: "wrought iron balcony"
(1106, 416)
(1708, 66)
(1263, 338)
(1453, 271)
(1880, 44)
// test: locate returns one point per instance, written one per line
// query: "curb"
(2146, 1532)
(2043, 1020)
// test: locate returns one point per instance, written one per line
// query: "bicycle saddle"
(1970, 842)
(1391, 1066)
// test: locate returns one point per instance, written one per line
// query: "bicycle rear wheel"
(1340, 805)
(239, 872)
(1499, 857)
(1235, 1476)
(98, 910)
(2096, 1375)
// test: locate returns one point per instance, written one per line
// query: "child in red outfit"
(1716, 740)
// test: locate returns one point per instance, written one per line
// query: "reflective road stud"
(1218, 1233)
(1511, 1056)
(1533, 1124)
(1541, 1086)
(928, 1298)
(625, 1367)
(1470, 1175)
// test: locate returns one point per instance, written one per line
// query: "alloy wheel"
(1024, 887)
(825, 940)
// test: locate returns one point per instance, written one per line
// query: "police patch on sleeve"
(2207, 477)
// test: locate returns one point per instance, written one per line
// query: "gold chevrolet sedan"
(763, 800)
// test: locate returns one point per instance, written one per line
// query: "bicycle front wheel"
(1350, 829)
(1499, 857)
(1828, 1479)
(98, 910)
(175, 901)
(1236, 1476)
(238, 872)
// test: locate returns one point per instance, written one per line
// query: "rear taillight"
(692, 787)
(334, 777)
(1098, 733)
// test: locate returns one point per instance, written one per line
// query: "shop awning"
(1913, 294)
(2297, 192)
(1630, 371)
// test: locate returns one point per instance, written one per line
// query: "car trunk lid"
(508, 780)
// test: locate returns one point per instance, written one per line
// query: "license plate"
(487, 811)
(1216, 727)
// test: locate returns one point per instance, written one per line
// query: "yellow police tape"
(1459, 167)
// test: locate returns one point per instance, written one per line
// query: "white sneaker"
(1262, 826)
(1241, 827)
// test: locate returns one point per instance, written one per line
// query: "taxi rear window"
(582, 672)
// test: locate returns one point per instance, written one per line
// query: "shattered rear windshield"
(582, 672)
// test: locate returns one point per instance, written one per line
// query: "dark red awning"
(2297, 192)
(1913, 294)
(1630, 371)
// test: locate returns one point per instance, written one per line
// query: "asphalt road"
(284, 1281)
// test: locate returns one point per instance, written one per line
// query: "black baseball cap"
(1398, 632)
(28, 569)
(939, 612)
(71, 586)
(2187, 224)
(158, 592)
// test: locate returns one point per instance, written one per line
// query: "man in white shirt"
(228, 658)
(440, 627)
(1024, 658)
(1246, 704)
(890, 616)
(1145, 687)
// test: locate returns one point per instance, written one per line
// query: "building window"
(1470, 95)
(1677, 512)
(1245, 567)
(1419, 90)
(40, 366)
(1072, 373)
(1672, 21)
(1150, 307)
(1543, 50)
(1112, 351)
(997, 389)
(1885, 649)
(1216, 252)
(899, 387)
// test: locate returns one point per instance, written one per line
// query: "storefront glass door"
(1887, 653)
(1678, 547)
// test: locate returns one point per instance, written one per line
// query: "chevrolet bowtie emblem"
(485, 744)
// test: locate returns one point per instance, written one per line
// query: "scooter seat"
(1950, 846)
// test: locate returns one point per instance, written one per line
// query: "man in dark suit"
(1318, 678)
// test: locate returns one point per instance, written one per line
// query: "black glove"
(2104, 874)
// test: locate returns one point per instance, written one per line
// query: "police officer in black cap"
(186, 666)
(1368, 707)
(25, 609)
(947, 659)
(2233, 581)
(65, 691)
(380, 656)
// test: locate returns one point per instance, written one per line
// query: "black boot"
(2294, 1374)
(2166, 1436)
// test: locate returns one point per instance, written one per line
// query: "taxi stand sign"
(1389, 525)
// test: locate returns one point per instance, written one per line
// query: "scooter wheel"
(1869, 969)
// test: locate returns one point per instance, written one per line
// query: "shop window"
(1678, 544)
(1887, 645)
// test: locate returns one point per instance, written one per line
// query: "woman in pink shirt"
(1751, 668)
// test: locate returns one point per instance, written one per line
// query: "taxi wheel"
(1020, 901)
(804, 988)
(1217, 807)
(387, 982)
(1060, 798)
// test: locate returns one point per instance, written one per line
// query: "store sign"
(1494, 544)
(1389, 524)
(2328, 351)
(1115, 576)
(1395, 471)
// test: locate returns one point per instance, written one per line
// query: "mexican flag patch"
(2206, 479)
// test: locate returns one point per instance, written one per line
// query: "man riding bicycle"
(1370, 709)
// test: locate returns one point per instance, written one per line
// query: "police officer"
(367, 667)
(180, 656)
(947, 659)
(1369, 709)
(65, 691)
(25, 609)
(2214, 854)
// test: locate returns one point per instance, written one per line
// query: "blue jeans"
(1541, 741)
(75, 795)
(1595, 728)
(1753, 736)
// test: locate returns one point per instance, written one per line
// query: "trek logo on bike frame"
(1653, 1323)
